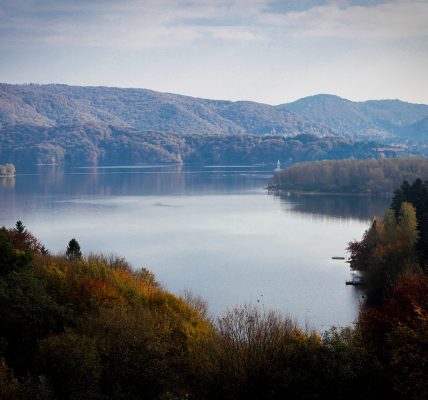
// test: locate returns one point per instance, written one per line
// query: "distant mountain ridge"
(372, 118)
(321, 115)
(51, 105)
(88, 125)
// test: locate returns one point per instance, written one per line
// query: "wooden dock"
(272, 187)
(356, 281)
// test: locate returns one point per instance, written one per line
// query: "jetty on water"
(356, 281)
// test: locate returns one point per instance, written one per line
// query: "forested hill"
(100, 144)
(367, 176)
(320, 115)
(54, 105)
(87, 125)
(374, 118)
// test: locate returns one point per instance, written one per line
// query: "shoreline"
(320, 193)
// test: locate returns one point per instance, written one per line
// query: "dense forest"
(88, 326)
(95, 144)
(369, 176)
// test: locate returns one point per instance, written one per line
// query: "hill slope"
(418, 131)
(87, 125)
(374, 118)
(51, 105)
(101, 144)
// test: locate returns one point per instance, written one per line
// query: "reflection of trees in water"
(144, 180)
(48, 177)
(357, 207)
(8, 182)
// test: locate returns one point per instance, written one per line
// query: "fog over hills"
(88, 125)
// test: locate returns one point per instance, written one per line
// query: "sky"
(270, 51)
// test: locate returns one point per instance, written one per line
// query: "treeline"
(370, 176)
(7, 169)
(93, 144)
(89, 327)
(392, 258)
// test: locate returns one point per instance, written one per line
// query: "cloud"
(128, 24)
(145, 24)
(401, 19)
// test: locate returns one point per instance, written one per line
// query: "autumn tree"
(22, 239)
(7, 169)
(355, 176)
(10, 169)
(386, 251)
(417, 195)
(397, 332)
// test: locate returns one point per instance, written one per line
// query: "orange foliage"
(398, 330)
(24, 241)
(96, 292)
(129, 285)
(406, 306)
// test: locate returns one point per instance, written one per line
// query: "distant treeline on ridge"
(371, 176)
(93, 144)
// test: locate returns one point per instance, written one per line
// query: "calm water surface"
(211, 229)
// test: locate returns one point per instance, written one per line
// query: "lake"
(211, 229)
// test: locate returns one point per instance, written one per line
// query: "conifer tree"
(19, 226)
(73, 250)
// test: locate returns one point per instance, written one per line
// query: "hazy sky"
(271, 51)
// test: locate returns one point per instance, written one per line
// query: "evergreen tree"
(386, 252)
(19, 226)
(44, 250)
(73, 250)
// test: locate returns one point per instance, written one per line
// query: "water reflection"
(140, 180)
(7, 183)
(363, 208)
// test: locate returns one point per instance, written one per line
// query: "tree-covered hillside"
(101, 144)
(374, 118)
(86, 125)
(321, 115)
(142, 109)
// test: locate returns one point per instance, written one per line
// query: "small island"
(7, 169)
